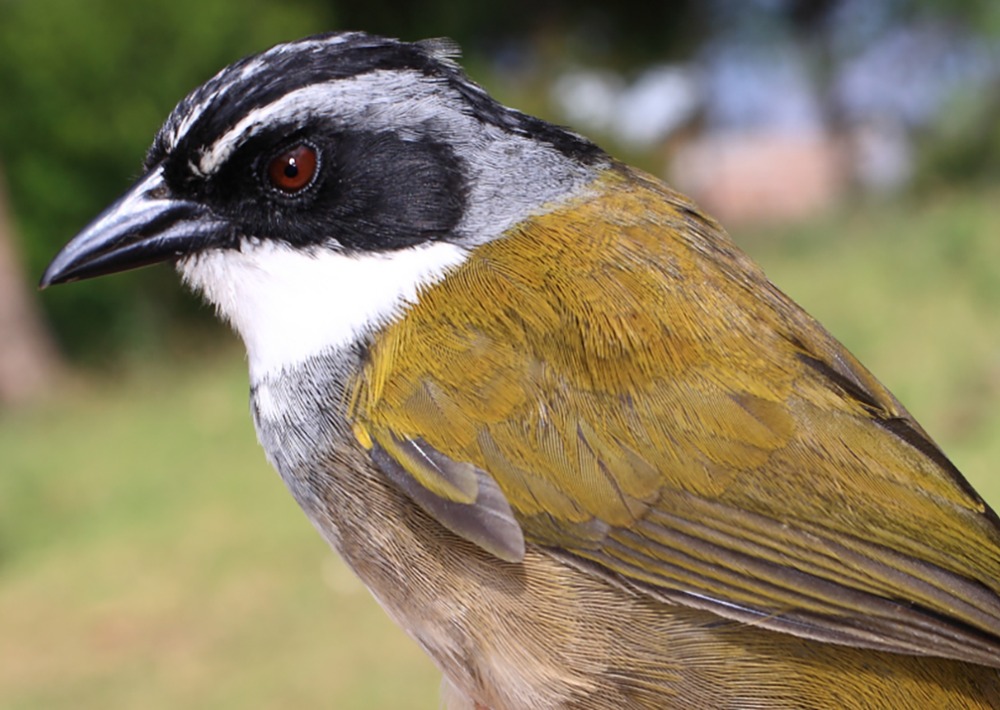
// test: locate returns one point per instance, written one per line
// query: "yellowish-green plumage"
(569, 435)
(646, 400)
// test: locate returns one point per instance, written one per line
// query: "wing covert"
(650, 406)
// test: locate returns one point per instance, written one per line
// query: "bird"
(567, 433)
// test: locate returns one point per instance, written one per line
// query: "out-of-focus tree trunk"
(29, 361)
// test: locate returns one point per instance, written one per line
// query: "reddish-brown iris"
(294, 169)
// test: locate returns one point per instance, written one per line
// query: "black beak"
(144, 226)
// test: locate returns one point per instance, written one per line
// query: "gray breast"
(301, 420)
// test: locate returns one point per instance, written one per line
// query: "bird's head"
(310, 191)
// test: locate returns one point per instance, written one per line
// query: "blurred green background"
(148, 555)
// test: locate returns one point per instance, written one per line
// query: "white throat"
(289, 305)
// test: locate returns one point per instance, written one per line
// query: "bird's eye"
(293, 170)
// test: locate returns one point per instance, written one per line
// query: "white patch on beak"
(289, 304)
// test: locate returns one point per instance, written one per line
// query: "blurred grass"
(150, 558)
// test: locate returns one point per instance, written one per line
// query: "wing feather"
(651, 408)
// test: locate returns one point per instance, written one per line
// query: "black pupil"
(291, 169)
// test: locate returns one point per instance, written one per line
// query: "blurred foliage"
(982, 14)
(85, 86)
(964, 145)
(624, 33)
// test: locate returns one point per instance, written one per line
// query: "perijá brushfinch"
(571, 438)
